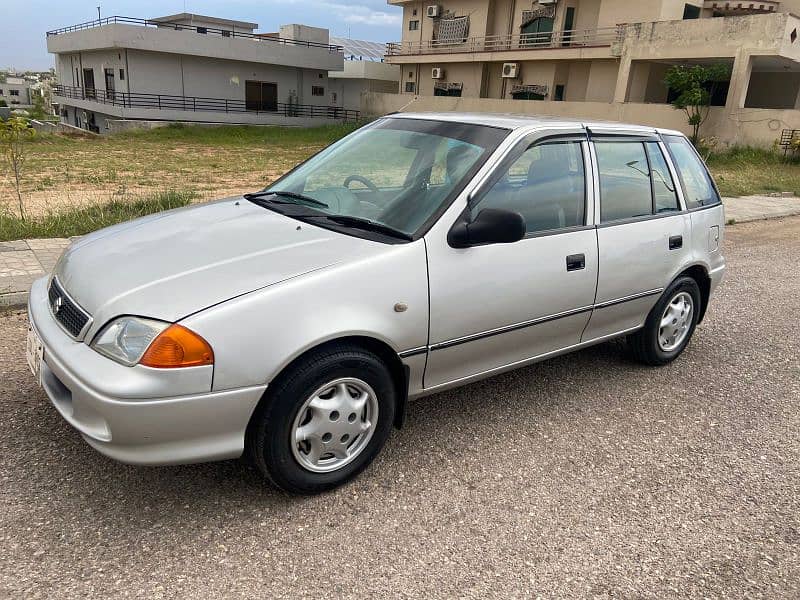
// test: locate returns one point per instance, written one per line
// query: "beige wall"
(752, 126)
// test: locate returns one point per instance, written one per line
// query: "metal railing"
(200, 30)
(196, 103)
(573, 38)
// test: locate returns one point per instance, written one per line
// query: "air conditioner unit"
(510, 70)
(433, 11)
(437, 73)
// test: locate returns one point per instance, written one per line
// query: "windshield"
(396, 173)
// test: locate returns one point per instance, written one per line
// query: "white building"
(194, 68)
(364, 71)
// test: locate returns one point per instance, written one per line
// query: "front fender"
(256, 335)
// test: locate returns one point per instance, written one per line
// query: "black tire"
(644, 345)
(269, 438)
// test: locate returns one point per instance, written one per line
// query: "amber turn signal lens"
(177, 347)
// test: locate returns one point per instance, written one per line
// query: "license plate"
(35, 353)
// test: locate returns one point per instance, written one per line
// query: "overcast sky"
(22, 29)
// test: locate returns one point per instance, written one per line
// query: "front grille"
(66, 311)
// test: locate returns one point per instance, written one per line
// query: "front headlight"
(151, 343)
(127, 338)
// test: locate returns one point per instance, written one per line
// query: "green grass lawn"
(71, 184)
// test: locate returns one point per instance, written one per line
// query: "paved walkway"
(23, 261)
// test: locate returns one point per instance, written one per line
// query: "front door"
(109, 74)
(498, 305)
(88, 83)
(643, 236)
(261, 95)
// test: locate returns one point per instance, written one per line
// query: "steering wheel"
(372, 187)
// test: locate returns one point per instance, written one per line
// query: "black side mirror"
(491, 226)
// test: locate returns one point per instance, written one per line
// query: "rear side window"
(666, 196)
(697, 186)
(625, 190)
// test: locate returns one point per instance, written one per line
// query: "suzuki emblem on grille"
(57, 304)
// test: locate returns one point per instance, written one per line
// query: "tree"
(14, 133)
(695, 86)
(38, 110)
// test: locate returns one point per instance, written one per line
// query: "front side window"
(399, 173)
(546, 185)
(697, 186)
(625, 190)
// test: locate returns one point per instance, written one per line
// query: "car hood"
(170, 265)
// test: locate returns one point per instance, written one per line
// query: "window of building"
(14, 92)
(317, 90)
(690, 11)
(664, 192)
(2, 92)
(546, 185)
(529, 92)
(697, 186)
(334, 97)
(410, 86)
(411, 74)
(447, 89)
(413, 25)
(537, 32)
(625, 189)
(558, 93)
(226, 33)
(413, 12)
(202, 30)
(122, 74)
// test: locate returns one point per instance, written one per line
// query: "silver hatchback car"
(419, 253)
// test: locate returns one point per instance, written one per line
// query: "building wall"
(22, 97)
(745, 127)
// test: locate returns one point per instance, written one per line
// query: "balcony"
(205, 41)
(205, 31)
(166, 102)
(574, 38)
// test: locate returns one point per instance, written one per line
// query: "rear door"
(643, 231)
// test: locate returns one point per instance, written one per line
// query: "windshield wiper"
(294, 195)
(368, 225)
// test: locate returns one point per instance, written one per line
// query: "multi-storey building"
(196, 68)
(16, 92)
(597, 50)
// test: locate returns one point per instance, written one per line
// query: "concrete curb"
(13, 301)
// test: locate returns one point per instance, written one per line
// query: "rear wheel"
(670, 324)
(324, 420)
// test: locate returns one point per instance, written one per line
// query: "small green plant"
(695, 86)
(14, 135)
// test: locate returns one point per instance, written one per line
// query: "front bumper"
(118, 410)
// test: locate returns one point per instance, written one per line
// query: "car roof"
(512, 121)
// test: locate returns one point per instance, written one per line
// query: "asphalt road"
(583, 476)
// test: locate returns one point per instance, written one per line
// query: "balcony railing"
(226, 33)
(194, 103)
(574, 38)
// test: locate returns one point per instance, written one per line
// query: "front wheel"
(324, 420)
(669, 326)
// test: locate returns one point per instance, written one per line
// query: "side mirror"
(491, 226)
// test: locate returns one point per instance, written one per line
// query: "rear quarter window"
(698, 189)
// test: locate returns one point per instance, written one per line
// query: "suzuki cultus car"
(419, 253)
